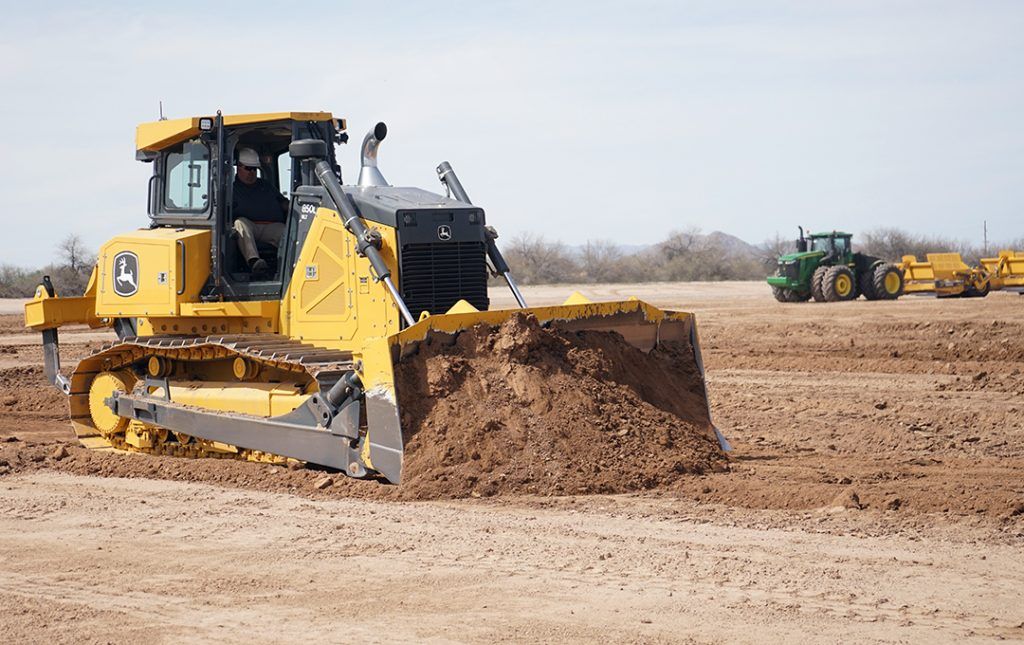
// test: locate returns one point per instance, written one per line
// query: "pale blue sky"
(576, 120)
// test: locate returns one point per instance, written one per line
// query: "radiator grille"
(433, 277)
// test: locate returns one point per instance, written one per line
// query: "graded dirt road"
(875, 494)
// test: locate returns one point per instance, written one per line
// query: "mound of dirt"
(526, 409)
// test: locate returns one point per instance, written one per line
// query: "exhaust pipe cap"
(369, 175)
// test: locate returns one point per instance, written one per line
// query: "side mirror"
(307, 149)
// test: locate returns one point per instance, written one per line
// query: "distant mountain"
(732, 244)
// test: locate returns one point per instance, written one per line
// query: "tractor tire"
(788, 295)
(839, 284)
(887, 282)
(816, 280)
(797, 296)
(866, 284)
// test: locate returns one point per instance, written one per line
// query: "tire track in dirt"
(235, 558)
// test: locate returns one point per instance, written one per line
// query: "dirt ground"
(875, 493)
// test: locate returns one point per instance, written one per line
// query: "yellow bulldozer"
(291, 354)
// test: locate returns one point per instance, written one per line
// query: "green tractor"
(825, 268)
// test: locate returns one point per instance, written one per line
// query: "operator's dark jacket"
(258, 203)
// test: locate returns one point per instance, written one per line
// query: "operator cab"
(834, 244)
(190, 189)
(271, 146)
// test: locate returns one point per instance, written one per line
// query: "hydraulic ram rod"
(367, 243)
(447, 175)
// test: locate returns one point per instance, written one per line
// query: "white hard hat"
(248, 157)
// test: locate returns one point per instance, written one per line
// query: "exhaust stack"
(369, 175)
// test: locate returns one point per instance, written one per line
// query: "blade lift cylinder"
(447, 175)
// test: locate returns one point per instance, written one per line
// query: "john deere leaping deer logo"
(126, 273)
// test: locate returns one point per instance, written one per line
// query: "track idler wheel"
(103, 387)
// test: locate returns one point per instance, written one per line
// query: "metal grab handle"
(181, 247)
(196, 169)
(151, 197)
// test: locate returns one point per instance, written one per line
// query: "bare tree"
(534, 260)
(74, 254)
(776, 246)
(75, 262)
(602, 261)
(893, 243)
(680, 243)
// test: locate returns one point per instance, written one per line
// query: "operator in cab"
(259, 210)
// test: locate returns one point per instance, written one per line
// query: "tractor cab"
(835, 245)
(193, 182)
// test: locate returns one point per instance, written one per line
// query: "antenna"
(162, 117)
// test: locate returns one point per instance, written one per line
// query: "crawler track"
(310, 367)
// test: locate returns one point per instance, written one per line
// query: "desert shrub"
(70, 274)
(534, 260)
(683, 255)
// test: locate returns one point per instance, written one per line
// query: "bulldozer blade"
(640, 324)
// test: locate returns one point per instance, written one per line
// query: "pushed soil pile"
(527, 409)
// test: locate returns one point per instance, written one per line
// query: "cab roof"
(157, 135)
(831, 234)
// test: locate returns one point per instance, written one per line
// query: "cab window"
(187, 178)
(821, 244)
(284, 174)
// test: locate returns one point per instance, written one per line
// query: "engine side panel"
(332, 299)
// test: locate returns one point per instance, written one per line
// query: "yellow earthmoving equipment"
(293, 355)
(945, 275)
(918, 277)
(1006, 271)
